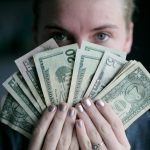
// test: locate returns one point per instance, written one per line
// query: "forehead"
(84, 11)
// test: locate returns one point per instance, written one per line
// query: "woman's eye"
(59, 37)
(102, 36)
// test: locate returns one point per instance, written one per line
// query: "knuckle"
(117, 124)
(59, 118)
(50, 134)
(57, 121)
(87, 145)
(37, 131)
(93, 134)
(105, 129)
(63, 142)
(74, 145)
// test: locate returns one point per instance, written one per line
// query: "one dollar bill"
(22, 84)
(13, 88)
(129, 95)
(13, 115)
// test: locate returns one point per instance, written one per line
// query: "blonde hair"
(129, 7)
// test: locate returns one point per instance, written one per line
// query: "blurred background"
(16, 34)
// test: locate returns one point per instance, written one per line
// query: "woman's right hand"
(99, 128)
(55, 129)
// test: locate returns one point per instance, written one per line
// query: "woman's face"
(97, 21)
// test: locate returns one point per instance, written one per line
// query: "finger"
(66, 135)
(101, 124)
(113, 120)
(41, 128)
(83, 139)
(74, 142)
(54, 131)
(90, 127)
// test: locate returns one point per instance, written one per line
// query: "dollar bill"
(13, 115)
(128, 65)
(22, 84)
(55, 70)
(26, 66)
(84, 69)
(107, 69)
(13, 88)
(129, 95)
(91, 47)
(78, 87)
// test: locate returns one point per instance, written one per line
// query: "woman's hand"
(99, 128)
(55, 129)
(74, 142)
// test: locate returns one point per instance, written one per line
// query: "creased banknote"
(26, 66)
(13, 115)
(107, 69)
(13, 88)
(22, 84)
(55, 70)
(85, 66)
(91, 47)
(129, 95)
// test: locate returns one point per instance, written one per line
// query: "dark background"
(16, 34)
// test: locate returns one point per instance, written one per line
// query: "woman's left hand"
(55, 129)
(99, 128)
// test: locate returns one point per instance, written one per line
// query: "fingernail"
(79, 108)
(100, 103)
(62, 107)
(71, 112)
(51, 108)
(79, 123)
(87, 102)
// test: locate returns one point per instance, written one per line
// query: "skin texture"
(105, 128)
(97, 21)
(55, 130)
(105, 25)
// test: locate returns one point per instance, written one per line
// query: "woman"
(104, 22)
(87, 125)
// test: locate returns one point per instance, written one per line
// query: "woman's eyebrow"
(112, 26)
(55, 27)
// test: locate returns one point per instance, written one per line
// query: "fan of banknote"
(50, 74)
